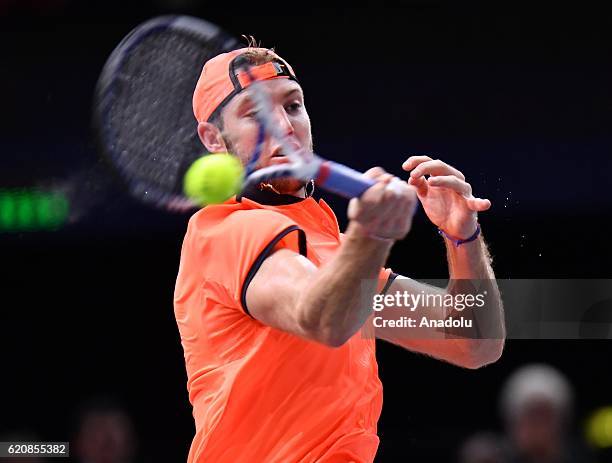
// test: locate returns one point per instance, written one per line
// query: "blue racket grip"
(342, 180)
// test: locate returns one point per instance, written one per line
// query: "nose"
(281, 118)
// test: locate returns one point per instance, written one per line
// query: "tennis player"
(279, 351)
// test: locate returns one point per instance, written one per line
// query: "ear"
(211, 138)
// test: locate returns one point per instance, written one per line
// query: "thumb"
(353, 208)
(377, 173)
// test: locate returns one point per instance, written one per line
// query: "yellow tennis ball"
(213, 178)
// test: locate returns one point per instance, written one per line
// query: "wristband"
(458, 242)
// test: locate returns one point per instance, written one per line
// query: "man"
(482, 447)
(279, 349)
(537, 406)
(104, 433)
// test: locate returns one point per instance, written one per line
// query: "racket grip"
(342, 180)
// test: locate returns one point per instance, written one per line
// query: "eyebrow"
(247, 101)
(293, 90)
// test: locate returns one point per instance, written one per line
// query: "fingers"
(435, 168)
(401, 222)
(396, 220)
(386, 209)
(478, 204)
(424, 165)
(420, 184)
(441, 174)
(374, 172)
(367, 206)
(452, 182)
(414, 161)
(380, 195)
(378, 174)
(463, 188)
(381, 199)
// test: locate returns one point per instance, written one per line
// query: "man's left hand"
(445, 195)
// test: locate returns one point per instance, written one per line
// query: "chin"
(287, 186)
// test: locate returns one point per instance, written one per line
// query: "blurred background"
(517, 99)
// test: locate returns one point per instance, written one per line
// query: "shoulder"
(235, 229)
(227, 219)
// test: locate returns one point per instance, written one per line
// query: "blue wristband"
(458, 242)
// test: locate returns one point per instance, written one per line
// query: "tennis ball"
(213, 178)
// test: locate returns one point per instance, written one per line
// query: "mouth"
(279, 159)
(279, 153)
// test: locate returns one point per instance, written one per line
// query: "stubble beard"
(287, 186)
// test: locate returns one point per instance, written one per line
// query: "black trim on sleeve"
(265, 253)
(392, 277)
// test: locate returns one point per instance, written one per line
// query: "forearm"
(471, 272)
(330, 305)
(448, 201)
(469, 261)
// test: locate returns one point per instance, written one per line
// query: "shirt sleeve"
(235, 248)
(387, 277)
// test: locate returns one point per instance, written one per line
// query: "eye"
(293, 107)
(250, 114)
(249, 109)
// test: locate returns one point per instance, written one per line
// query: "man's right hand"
(385, 210)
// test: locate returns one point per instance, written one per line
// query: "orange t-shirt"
(260, 394)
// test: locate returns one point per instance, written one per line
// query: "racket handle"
(342, 180)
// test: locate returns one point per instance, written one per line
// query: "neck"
(267, 194)
(300, 193)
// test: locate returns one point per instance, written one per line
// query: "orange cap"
(220, 80)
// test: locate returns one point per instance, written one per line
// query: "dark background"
(519, 100)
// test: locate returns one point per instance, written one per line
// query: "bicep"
(273, 293)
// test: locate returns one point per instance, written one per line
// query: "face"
(105, 438)
(289, 113)
(538, 429)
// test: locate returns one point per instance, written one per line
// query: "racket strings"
(150, 120)
(147, 95)
(142, 115)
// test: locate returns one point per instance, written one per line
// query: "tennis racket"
(144, 123)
